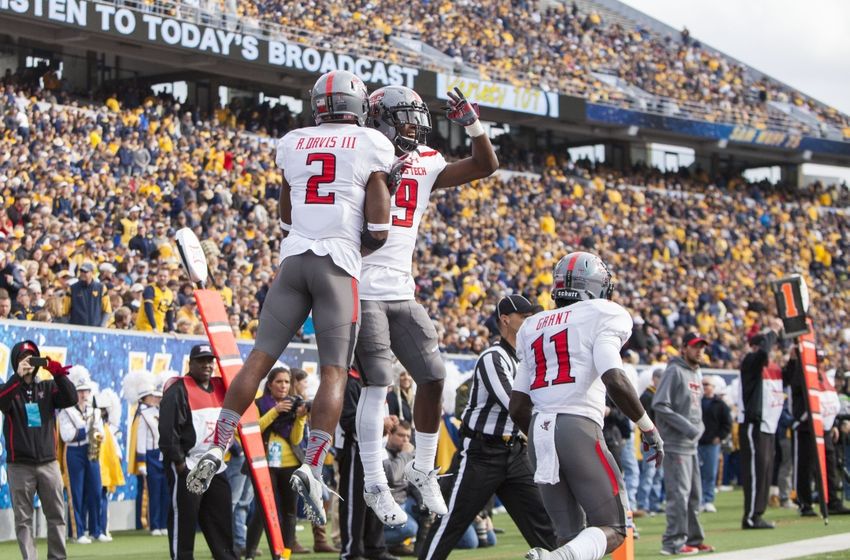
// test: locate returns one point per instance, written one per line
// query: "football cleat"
(380, 499)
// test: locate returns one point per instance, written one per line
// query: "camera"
(36, 361)
(296, 402)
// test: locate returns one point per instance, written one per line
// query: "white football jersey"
(327, 168)
(387, 273)
(555, 349)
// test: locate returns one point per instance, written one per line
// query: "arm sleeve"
(725, 424)
(280, 154)
(141, 439)
(8, 390)
(63, 392)
(267, 419)
(297, 433)
(662, 403)
(606, 353)
(522, 379)
(493, 371)
(172, 416)
(147, 298)
(68, 431)
(169, 320)
(383, 154)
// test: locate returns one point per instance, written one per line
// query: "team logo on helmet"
(399, 113)
(581, 276)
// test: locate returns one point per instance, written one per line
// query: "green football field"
(722, 530)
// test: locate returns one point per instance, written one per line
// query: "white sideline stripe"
(219, 328)
(794, 549)
(230, 362)
(260, 464)
(252, 429)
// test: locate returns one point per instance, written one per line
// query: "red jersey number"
(327, 176)
(406, 198)
(562, 355)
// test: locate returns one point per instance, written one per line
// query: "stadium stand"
(108, 182)
(592, 49)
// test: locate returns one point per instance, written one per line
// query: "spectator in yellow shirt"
(283, 417)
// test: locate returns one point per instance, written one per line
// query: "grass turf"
(722, 529)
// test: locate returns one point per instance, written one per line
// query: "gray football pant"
(684, 492)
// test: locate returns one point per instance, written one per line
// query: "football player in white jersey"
(393, 322)
(569, 357)
(334, 205)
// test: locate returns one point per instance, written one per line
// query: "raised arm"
(483, 161)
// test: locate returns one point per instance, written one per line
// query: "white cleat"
(538, 554)
(310, 490)
(427, 484)
(200, 478)
(84, 540)
(380, 499)
(104, 538)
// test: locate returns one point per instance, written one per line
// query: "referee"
(492, 459)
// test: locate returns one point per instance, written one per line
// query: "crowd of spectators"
(555, 46)
(107, 185)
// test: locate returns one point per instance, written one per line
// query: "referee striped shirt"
(489, 397)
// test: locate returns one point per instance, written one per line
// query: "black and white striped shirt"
(487, 409)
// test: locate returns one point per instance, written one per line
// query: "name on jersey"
(415, 171)
(346, 142)
(554, 319)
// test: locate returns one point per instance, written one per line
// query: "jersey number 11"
(562, 355)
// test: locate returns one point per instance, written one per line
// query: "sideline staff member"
(29, 407)
(492, 458)
(187, 415)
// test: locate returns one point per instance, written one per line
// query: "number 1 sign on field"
(220, 335)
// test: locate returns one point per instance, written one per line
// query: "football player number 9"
(406, 197)
(327, 176)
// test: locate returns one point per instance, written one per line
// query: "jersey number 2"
(406, 197)
(562, 354)
(328, 175)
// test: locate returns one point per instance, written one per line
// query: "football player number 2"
(562, 355)
(406, 197)
(327, 176)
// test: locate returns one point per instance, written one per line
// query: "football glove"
(653, 446)
(460, 110)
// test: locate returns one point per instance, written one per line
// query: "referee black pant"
(757, 451)
(361, 532)
(211, 510)
(479, 470)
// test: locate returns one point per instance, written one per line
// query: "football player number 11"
(562, 355)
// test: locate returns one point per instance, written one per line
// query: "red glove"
(55, 368)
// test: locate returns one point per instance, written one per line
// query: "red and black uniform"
(187, 418)
(759, 409)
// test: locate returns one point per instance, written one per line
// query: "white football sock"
(370, 432)
(590, 544)
(426, 451)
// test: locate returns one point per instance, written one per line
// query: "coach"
(29, 407)
(493, 458)
(187, 413)
(760, 401)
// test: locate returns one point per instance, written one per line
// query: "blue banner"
(733, 133)
(109, 355)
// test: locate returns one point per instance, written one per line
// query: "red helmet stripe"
(329, 84)
(572, 264)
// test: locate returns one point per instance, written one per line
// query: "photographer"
(29, 407)
(282, 420)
